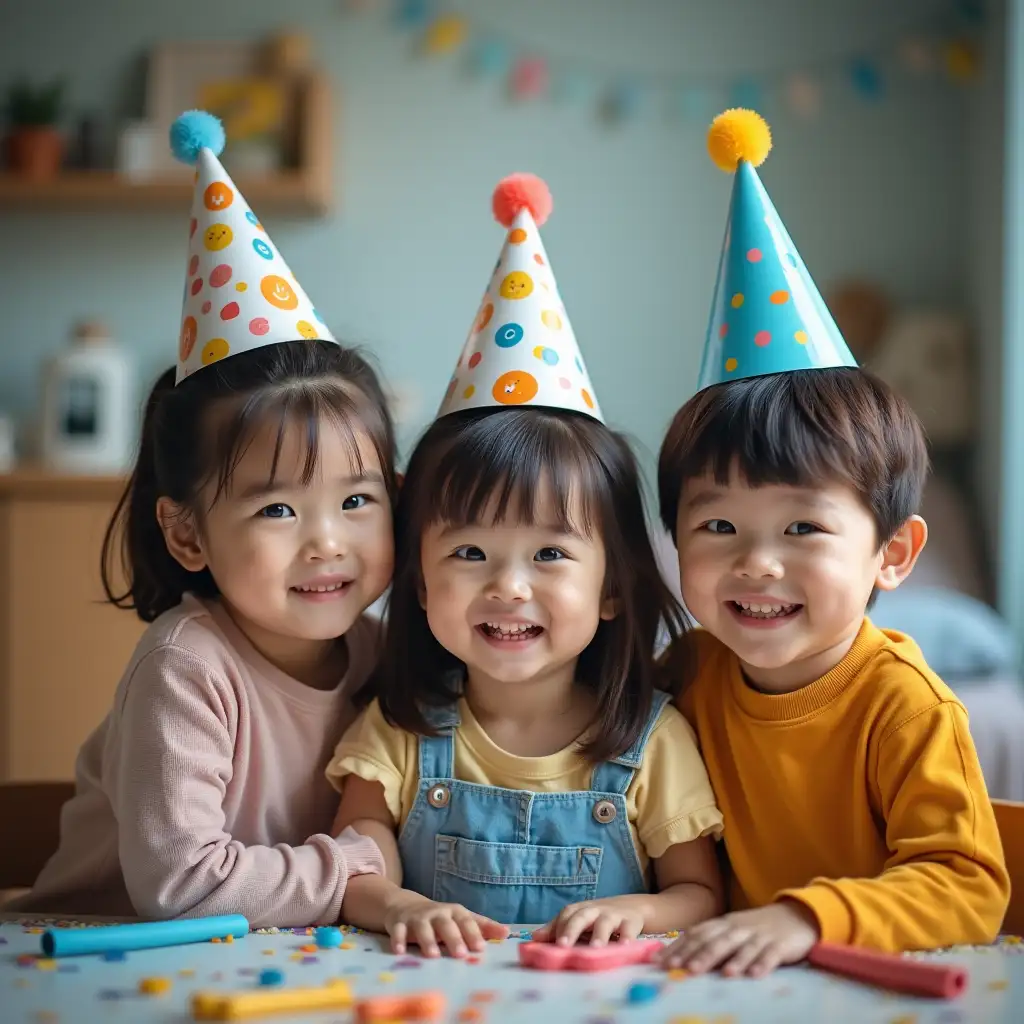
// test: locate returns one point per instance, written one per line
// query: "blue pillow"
(961, 637)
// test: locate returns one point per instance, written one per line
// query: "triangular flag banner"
(767, 315)
(521, 349)
(239, 292)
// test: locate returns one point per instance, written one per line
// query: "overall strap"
(437, 753)
(616, 775)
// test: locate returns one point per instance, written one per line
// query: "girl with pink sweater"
(254, 532)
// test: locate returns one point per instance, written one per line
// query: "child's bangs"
(308, 405)
(528, 469)
(767, 437)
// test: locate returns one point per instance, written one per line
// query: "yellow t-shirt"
(860, 795)
(669, 800)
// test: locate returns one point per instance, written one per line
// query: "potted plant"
(35, 147)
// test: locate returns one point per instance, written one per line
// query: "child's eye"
(719, 526)
(548, 555)
(801, 529)
(354, 501)
(470, 553)
(276, 511)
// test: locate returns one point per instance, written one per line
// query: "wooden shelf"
(294, 191)
(307, 190)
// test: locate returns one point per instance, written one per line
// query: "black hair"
(183, 449)
(473, 465)
(801, 428)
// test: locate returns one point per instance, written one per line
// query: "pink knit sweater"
(203, 790)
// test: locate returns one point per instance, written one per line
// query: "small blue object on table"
(157, 984)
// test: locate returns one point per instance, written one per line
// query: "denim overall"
(516, 856)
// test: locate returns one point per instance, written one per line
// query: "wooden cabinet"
(62, 649)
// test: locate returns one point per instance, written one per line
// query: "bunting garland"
(952, 54)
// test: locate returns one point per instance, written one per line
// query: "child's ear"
(180, 535)
(900, 554)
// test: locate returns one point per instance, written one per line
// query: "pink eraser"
(887, 970)
(546, 956)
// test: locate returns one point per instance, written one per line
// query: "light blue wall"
(1011, 538)
(987, 178)
(639, 211)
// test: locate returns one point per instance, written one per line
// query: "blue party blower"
(123, 938)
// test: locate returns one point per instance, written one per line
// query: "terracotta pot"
(35, 152)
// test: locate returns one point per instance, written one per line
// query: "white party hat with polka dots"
(239, 292)
(521, 349)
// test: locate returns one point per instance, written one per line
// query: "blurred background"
(368, 135)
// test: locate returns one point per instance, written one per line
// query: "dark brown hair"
(183, 449)
(802, 428)
(474, 465)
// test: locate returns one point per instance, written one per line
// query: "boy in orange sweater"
(855, 809)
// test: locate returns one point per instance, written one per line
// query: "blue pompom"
(193, 131)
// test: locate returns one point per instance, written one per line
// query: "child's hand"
(752, 942)
(621, 915)
(413, 919)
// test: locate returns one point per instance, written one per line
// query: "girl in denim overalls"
(518, 765)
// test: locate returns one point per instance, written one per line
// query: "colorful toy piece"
(328, 937)
(264, 1002)
(115, 939)
(896, 973)
(422, 1006)
(546, 956)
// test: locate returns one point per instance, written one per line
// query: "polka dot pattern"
(220, 275)
(240, 293)
(508, 335)
(521, 348)
(766, 307)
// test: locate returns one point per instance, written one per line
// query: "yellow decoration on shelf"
(961, 60)
(248, 107)
(445, 34)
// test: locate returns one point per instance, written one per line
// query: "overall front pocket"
(514, 883)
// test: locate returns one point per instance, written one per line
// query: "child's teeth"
(766, 610)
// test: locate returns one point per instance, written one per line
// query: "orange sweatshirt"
(860, 796)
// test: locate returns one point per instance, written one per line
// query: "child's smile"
(504, 633)
(763, 612)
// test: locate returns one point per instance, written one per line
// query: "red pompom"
(518, 191)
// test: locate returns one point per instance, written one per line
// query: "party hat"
(239, 292)
(521, 349)
(767, 315)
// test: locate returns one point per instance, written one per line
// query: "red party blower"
(886, 970)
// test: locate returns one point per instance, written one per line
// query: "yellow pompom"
(737, 135)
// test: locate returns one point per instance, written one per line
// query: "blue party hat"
(767, 315)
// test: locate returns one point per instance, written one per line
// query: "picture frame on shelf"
(240, 83)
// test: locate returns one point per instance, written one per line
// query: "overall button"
(438, 796)
(604, 812)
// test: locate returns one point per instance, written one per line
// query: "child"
(854, 804)
(518, 747)
(256, 529)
